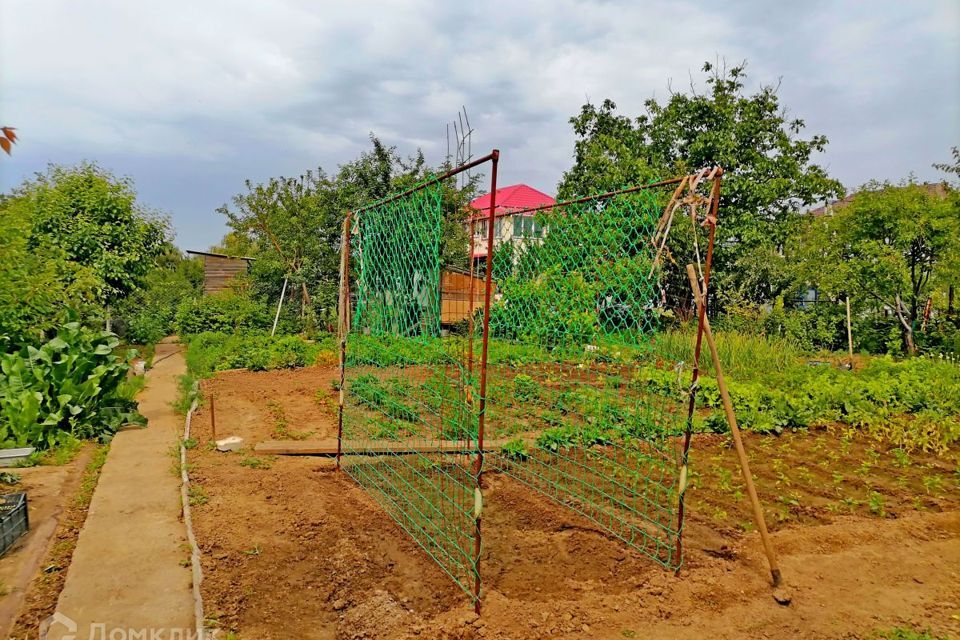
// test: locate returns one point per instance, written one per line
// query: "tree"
(36, 288)
(95, 220)
(72, 240)
(293, 226)
(148, 314)
(893, 245)
(950, 167)
(769, 174)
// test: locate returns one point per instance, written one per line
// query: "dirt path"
(127, 570)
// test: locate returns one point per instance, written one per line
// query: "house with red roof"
(514, 220)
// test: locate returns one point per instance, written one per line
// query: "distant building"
(513, 223)
(219, 269)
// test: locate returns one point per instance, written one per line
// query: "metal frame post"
(488, 284)
(343, 324)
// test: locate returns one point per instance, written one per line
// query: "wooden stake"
(735, 431)
(213, 417)
(849, 332)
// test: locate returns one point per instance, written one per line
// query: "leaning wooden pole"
(735, 431)
(849, 332)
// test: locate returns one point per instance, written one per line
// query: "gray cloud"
(191, 98)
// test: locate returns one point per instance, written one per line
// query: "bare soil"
(869, 538)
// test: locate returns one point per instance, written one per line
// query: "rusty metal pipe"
(440, 178)
(478, 465)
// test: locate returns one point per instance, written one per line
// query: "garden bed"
(868, 535)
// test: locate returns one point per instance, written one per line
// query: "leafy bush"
(221, 312)
(515, 450)
(149, 314)
(525, 388)
(71, 387)
(555, 309)
(255, 350)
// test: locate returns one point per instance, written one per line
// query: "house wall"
(503, 232)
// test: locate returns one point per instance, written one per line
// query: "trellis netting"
(559, 372)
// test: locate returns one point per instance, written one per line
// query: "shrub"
(255, 350)
(555, 309)
(221, 312)
(73, 386)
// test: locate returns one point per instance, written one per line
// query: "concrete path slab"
(127, 571)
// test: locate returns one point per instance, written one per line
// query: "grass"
(255, 463)
(91, 475)
(281, 430)
(740, 354)
(900, 633)
(197, 495)
(187, 392)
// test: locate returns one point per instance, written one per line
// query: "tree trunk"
(907, 328)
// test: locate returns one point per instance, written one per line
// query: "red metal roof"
(512, 198)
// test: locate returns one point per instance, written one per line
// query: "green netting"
(579, 301)
(409, 423)
(574, 407)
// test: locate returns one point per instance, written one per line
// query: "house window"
(482, 229)
(526, 227)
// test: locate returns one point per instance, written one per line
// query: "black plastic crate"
(14, 519)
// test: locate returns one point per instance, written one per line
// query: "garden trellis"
(548, 377)
(411, 401)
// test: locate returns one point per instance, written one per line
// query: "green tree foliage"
(952, 167)
(293, 226)
(72, 240)
(36, 288)
(148, 314)
(590, 274)
(95, 219)
(769, 173)
(892, 247)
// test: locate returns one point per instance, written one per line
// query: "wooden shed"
(455, 295)
(219, 269)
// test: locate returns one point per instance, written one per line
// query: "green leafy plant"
(70, 387)
(515, 450)
(525, 388)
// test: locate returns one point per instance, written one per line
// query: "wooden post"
(735, 431)
(849, 332)
(213, 416)
(279, 305)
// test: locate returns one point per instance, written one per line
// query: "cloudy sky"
(190, 98)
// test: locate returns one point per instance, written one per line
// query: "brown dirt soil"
(49, 491)
(59, 498)
(869, 538)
